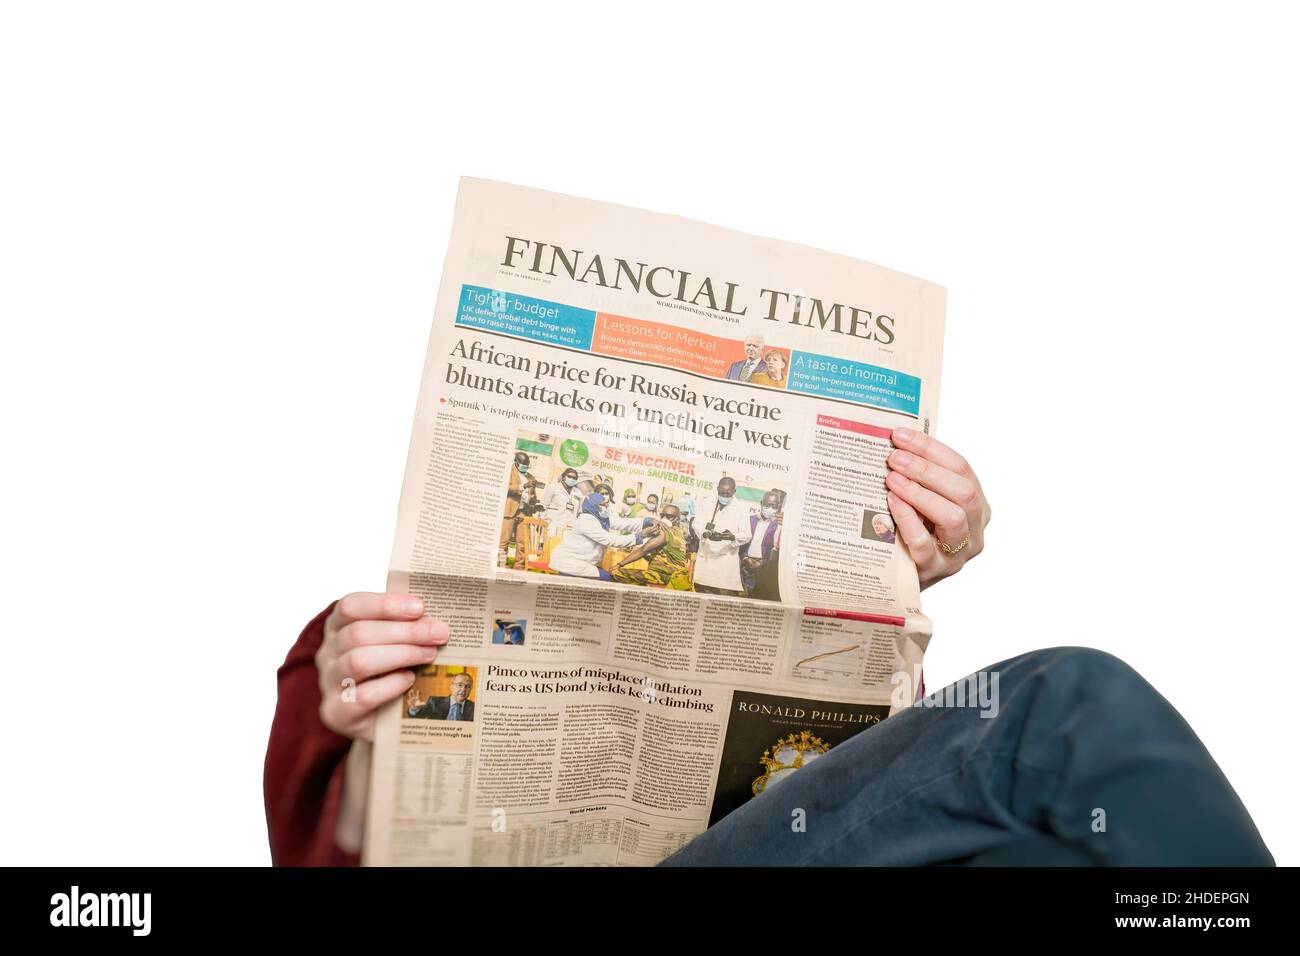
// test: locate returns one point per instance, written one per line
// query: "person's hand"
(413, 698)
(372, 643)
(936, 501)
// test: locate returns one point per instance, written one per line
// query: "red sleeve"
(303, 778)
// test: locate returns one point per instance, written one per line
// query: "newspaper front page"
(645, 490)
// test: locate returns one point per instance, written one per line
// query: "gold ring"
(949, 549)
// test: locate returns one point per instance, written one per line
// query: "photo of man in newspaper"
(442, 693)
(618, 515)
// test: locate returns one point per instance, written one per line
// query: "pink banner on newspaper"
(862, 428)
(855, 616)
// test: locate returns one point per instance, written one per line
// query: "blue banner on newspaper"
(854, 382)
(524, 317)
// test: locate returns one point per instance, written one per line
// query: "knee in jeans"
(1087, 663)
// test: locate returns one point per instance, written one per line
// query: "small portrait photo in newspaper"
(879, 526)
(510, 632)
(442, 693)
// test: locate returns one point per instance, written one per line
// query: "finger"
(349, 712)
(380, 690)
(950, 520)
(363, 663)
(426, 630)
(958, 489)
(920, 543)
(932, 450)
(368, 606)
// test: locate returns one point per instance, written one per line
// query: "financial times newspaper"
(645, 490)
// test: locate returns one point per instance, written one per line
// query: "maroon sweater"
(303, 778)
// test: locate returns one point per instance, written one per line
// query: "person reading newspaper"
(1077, 732)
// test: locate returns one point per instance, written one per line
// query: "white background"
(221, 230)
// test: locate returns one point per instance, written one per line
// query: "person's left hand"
(937, 503)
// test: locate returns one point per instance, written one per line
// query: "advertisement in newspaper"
(645, 491)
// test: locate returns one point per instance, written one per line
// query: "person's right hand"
(372, 643)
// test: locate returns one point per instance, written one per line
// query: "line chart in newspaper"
(645, 490)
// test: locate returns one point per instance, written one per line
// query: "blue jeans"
(1085, 763)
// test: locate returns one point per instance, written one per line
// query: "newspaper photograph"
(645, 491)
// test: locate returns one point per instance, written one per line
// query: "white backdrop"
(221, 230)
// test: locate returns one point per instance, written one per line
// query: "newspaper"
(645, 491)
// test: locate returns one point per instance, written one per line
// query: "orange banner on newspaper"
(666, 345)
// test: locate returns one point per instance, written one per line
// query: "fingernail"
(429, 655)
(895, 478)
(413, 606)
(904, 434)
(901, 458)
